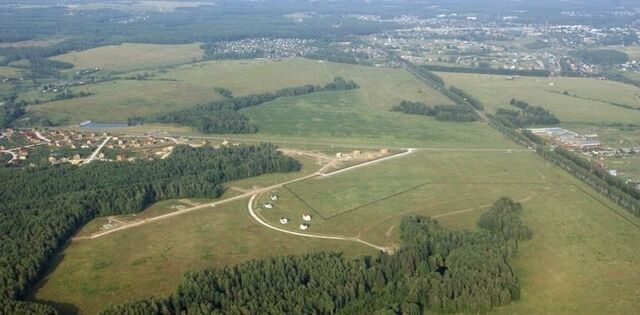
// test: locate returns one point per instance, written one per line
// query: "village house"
(268, 205)
(284, 220)
(304, 226)
(306, 217)
(274, 197)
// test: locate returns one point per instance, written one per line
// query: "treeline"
(605, 57)
(457, 95)
(43, 206)
(440, 112)
(434, 270)
(223, 116)
(530, 73)
(528, 115)
(614, 188)
(474, 102)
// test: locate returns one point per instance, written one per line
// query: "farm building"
(274, 196)
(268, 205)
(284, 220)
(306, 217)
(569, 139)
(303, 226)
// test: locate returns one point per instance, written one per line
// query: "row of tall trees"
(457, 95)
(42, 206)
(223, 116)
(474, 102)
(440, 112)
(435, 269)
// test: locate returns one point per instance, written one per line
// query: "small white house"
(306, 217)
(268, 205)
(284, 220)
(304, 226)
(274, 197)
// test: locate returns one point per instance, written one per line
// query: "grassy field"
(9, 72)
(353, 118)
(128, 57)
(118, 100)
(384, 87)
(583, 257)
(496, 91)
(345, 117)
(581, 260)
(150, 260)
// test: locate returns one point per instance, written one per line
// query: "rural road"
(234, 198)
(95, 153)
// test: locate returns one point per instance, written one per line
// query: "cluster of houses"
(266, 48)
(306, 218)
(67, 146)
(588, 145)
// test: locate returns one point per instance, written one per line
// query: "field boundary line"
(304, 202)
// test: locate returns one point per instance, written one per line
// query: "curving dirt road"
(258, 219)
(245, 195)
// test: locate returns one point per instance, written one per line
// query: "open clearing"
(127, 57)
(497, 91)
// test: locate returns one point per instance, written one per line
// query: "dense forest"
(528, 115)
(606, 57)
(440, 112)
(435, 269)
(43, 206)
(223, 116)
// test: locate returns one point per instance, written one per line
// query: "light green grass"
(113, 269)
(346, 117)
(127, 57)
(370, 200)
(118, 100)
(382, 87)
(583, 254)
(582, 258)
(496, 91)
